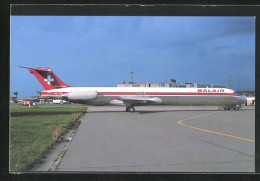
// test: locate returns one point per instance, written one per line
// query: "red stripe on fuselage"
(161, 93)
(53, 93)
(148, 93)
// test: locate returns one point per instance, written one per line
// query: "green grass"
(32, 135)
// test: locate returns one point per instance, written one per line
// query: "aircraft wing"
(140, 100)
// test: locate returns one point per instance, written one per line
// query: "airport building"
(146, 84)
(250, 101)
(173, 83)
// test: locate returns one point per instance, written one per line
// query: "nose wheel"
(130, 109)
(234, 107)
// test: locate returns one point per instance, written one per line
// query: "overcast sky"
(103, 50)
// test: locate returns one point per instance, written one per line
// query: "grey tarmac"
(152, 140)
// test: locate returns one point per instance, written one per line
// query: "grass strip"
(31, 136)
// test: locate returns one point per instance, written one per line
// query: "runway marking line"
(180, 122)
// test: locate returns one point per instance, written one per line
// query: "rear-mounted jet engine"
(86, 95)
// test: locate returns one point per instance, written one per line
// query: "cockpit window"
(237, 92)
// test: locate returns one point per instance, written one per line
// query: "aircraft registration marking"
(180, 122)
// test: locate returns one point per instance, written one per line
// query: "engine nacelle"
(83, 95)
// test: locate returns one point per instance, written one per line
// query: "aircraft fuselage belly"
(174, 100)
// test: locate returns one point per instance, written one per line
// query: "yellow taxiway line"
(180, 122)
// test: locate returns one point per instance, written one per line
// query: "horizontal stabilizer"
(44, 69)
(47, 78)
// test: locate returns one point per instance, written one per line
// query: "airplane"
(134, 96)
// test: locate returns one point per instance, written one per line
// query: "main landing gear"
(130, 109)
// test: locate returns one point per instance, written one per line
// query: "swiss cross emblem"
(49, 79)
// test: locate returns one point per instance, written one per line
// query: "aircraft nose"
(242, 100)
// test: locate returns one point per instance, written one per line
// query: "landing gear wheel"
(131, 109)
(224, 107)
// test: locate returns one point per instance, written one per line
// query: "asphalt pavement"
(163, 139)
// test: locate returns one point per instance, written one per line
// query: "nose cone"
(242, 100)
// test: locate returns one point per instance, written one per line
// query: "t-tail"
(47, 78)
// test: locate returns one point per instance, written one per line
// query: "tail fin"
(47, 78)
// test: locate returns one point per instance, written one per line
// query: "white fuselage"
(169, 96)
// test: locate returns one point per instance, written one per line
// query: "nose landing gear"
(130, 109)
(234, 107)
